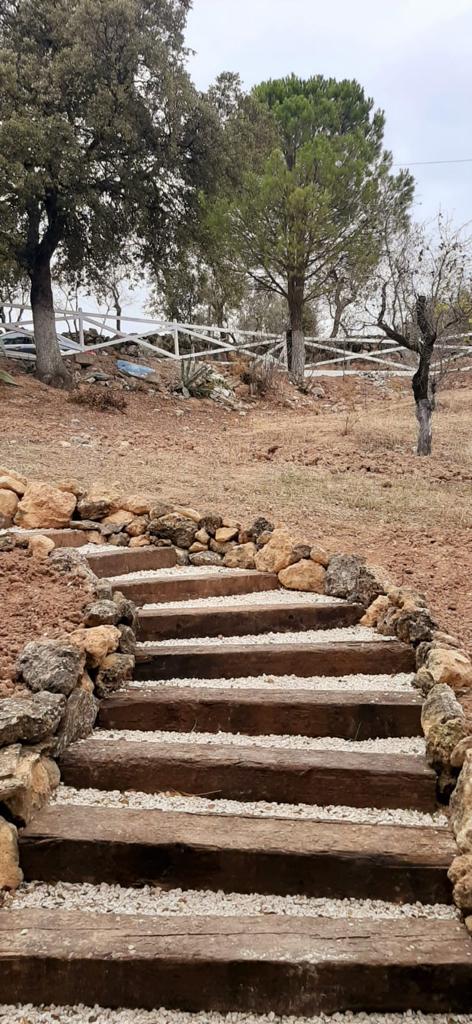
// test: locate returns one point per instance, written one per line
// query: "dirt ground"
(339, 469)
(36, 601)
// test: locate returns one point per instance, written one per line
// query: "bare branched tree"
(421, 300)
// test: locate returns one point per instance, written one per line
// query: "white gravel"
(151, 901)
(271, 597)
(358, 634)
(414, 745)
(28, 1014)
(67, 795)
(176, 571)
(100, 549)
(382, 683)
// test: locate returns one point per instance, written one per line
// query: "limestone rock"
(460, 874)
(372, 582)
(139, 542)
(242, 556)
(45, 507)
(304, 575)
(188, 513)
(302, 551)
(30, 719)
(225, 534)
(96, 643)
(120, 518)
(73, 486)
(50, 665)
(211, 522)
(255, 531)
(7, 541)
(461, 806)
(202, 537)
(447, 665)
(40, 547)
(97, 504)
(138, 504)
(8, 507)
(122, 541)
(79, 717)
(27, 779)
(103, 590)
(115, 670)
(158, 509)
(94, 537)
(221, 549)
(11, 875)
(101, 613)
(342, 575)
(137, 527)
(13, 482)
(195, 547)
(278, 553)
(444, 725)
(127, 611)
(127, 643)
(414, 626)
(205, 558)
(182, 556)
(319, 555)
(460, 751)
(176, 528)
(375, 611)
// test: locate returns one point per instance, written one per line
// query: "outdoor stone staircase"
(257, 963)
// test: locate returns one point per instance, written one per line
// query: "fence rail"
(356, 355)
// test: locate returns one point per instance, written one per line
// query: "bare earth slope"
(340, 469)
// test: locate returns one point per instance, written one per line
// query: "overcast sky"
(414, 57)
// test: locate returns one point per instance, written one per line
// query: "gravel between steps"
(28, 1014)
(67, 795)
(176, 571)
(267, 597)
(412, 745)
(152, 901)
(400, 683)
(340, 634)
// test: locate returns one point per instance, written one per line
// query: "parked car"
(19, 345)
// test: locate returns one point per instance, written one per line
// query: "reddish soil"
(339, 468)
(37, 601)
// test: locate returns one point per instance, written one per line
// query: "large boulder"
(13, 482)
(279, 552)
(30, 719)
(45, 507)
(50, 665)
(342, 575)
(304, 575)
(96, 643)
(27, 779)
(444, 725)
(138, 504)
(242, 556)
(447, 665)
(8, 507)
(11, 875)
(174, 527)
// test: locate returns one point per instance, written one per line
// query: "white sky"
(414, 57)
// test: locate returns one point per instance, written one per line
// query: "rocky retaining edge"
(67, 679)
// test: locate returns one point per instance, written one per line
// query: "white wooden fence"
(356, 355)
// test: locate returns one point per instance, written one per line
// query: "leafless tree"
(421, 300)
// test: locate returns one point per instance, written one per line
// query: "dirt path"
(340, 469)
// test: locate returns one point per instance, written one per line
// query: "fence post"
(81, 330)
(175, 331)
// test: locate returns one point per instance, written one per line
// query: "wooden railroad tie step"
(185, 623)
(251, 964)
(228, 661)
(349, 714)
(184, 587)
(118, 561)
(238, 854)
(252, 773)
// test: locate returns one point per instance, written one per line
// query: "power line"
(418, 163)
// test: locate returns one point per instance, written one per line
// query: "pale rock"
(188, 513)
(11, 875)
(8, 507)
(441, 639)
(225, 534)
(120, 518)
(72, 486)
(305, 575)
(375, 611)
(460, 751)
(211, 522)
(159, 508)
(137, 527)
(242, 556)
(202, 537)
(45, 507)
(461, 806)
(460, 874)
(231, 524)
(98, 503)
(319, 555)
(447, 665)
(13, 482)
(94, 537)
(96, 643)
(40, 547)
(138, 504)
(444, 725)
(278, 553)
(30, 719)
(221, 549)
(53, 665)
(7, 542)
(205, 558)
(197, 547)
(27, 779)
(139, 542)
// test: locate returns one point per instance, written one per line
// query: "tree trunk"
(424, 399)
(50, 366)
(297, 348)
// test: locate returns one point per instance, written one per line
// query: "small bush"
(102, 399)
(259, 374)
